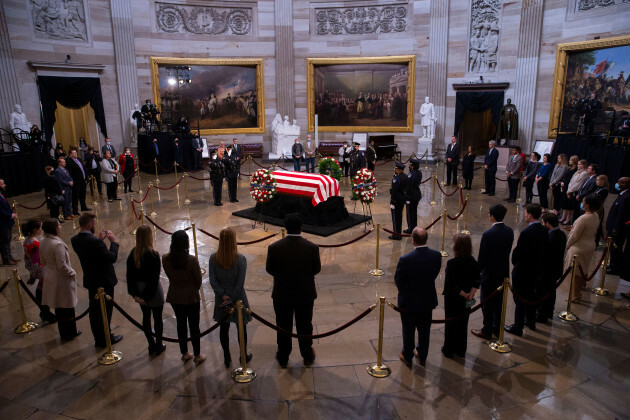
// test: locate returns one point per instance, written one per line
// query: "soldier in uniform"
(217, 173)
(230, 161)
(370, 155)
(357, 160)
(413, 194)
(398, 197)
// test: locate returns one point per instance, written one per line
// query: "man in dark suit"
(415, 279)
(494, 262)
(452, 161)
(93, 168)
(553, 268)
(616, 226)
(97, 263)
(237, 151)
(108, 147)
(7, 220)
(398, 193)
(413, 194)
(79, 176)
(293, 262)
(490, 165)
(65, 182)
(197, 153)
(231, 173)
(528, 259)
(589, 187)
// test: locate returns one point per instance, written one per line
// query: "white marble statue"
(427, 114)
(283, 134)
(18, 120)
(286, 123)
(277, 120)
(134, 122)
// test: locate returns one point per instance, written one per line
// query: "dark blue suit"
(494, 263)
(491, 162)
(616, 228)
(415, 278)
(62, 175)
(6, 225)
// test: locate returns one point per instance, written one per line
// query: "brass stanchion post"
(444, 217)
(567, 315)
(444, 172)
(483, 190)
(433, 202)
(19, 236)
(518, 195)
(466, 231)
(601, 291)
(139, 186)
(133, 218)
(175, 166)
(249, 158)
(157, 178)
(501, 346)
(25, 326)
(153, 213)
(109, 357)
(142, 217)
(194, 231)
(273, 167)
(187, 200)
(283, 232)
(377, 271)
(243, 374)
(283, 167)
(426, 159)
(380, 370)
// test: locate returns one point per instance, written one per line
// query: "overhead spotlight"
(172, 81)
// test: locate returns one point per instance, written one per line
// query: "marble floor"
(577, 370)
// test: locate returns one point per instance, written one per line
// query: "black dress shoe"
(86, 209)
(513, 330)
(541, 319)
(531, 326)
(116, 338)
(130, 190)
(310, 361)
(70, 337)
(227, 361)
(248, 357)
(159, 349)
(491, 195)
(485, 192)
(395, 237)
(447, 354)
(480, 334)
(282, 362)
(407, 231)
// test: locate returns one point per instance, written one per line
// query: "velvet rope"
(171, 187)
(127, 179)
(426, 180)
(433, 223)
(33, 208)
(165, 169)
(146, 194)
(460, 212)
(145, 164)
(5, 284)
(157, 226)
(454, 318)
(384, 162)
(346, 243)
(391, 232)
(313, 336)
(239, 243)
(545, 297)
(133, 209)
(499, 179)
(444, 192)
(46, 309)
(198, 179)
(597, 267)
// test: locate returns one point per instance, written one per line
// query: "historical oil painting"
(361, 94)
(217, 96)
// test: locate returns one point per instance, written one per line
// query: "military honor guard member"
(413, 194)
(217, 173)
(357, 160)
(398, 198)
(230, 161)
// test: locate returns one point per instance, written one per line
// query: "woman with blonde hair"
(571, 184)
(556, 179)
(227, 278)
(143, 284)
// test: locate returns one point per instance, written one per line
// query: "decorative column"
(527, 69)
(124, 49)
(285, 97)
(438, 54)
(10, 93)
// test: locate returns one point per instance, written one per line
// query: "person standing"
(577, 180)
(32, 262)
(542, 181)
(143, 285)
(197, 158)
(52, 192)
(567, 203)
(227, 269)
(356, 160)
(97, 263)
(452, 161)
(528, 259)
(468, 167)
(490, 165)
(588, 187)
(556, 179)
(370, 156)
(616, 227)
(79, 178)
(93, 166)
(602, 191)
(494, 264)
(61, 281)
(108, 147)
(65, 182)
(216, 165)
(127, 164)
(415, 279)
(398, 193)
(414, 195)
(177, 153)
(297, 151)
(238, 155)
(293, 262)
(529, 176)
(231, 173)
(110, 176)
(461, 282)
(344, 154)
(513, 172)
(309, 155)
(554, 266)
(184, 276)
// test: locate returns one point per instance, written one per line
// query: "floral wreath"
(263, 186)
(364, 186)
(329, 166)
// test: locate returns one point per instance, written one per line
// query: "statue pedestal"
(424, 144)
(282, 142)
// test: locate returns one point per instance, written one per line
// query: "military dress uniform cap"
(415, 161)
(400, 165)
(356, 144)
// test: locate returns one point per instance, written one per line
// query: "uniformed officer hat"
(415, 162)
(356, 144)
(400, 166)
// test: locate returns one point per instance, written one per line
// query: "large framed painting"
(219, 96)
(600, 67)
(357, 94)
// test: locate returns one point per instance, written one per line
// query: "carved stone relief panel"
(204, 20)
(59, 19)
(583, 9)
(582, 5)
(358, 20)
(483, 44)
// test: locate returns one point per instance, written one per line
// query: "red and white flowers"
(263, 186)
(364, 186)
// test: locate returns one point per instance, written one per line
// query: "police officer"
(217, 173)
(357, 160)
(398, 197)
(230, 161)
(413, 194)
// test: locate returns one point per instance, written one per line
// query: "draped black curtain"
(477, 102)
(71, 92)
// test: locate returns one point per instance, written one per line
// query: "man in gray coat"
(513, 170)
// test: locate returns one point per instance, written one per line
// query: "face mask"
(582, 206)
(617, 187)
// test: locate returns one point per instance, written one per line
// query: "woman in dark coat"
(143, 284)
(529, 176)
(462, 279)
(52, 189)
(602, 191)
(468, 163)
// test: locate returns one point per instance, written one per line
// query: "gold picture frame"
(563, 52)
(254, 63)
(402, 125)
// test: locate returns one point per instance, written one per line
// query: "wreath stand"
(367, 213)
(261, 219)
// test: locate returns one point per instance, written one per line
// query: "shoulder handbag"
(57, 200)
